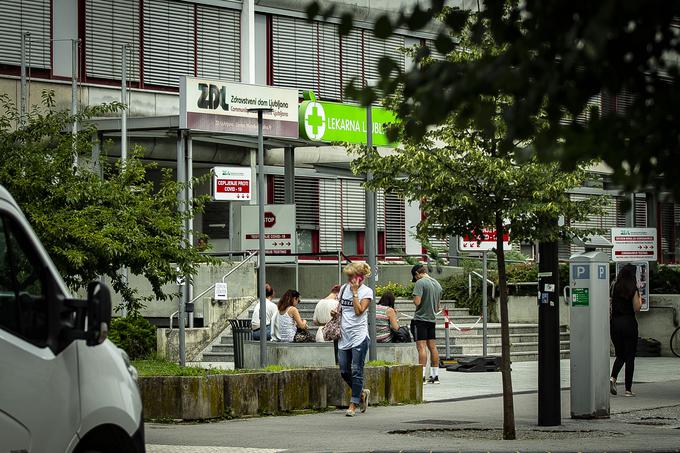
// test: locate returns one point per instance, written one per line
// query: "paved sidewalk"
(461, 407)
(456, 385)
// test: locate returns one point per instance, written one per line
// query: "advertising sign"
(335, 122)
(642, 275)
(218, 106)
(232, 183)
(279, 235)
(634, 244)
(485, 243)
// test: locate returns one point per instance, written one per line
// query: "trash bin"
(241, 330)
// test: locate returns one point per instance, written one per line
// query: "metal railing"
(477, 274)
(211, 287)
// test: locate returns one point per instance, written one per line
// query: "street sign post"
(634, 244)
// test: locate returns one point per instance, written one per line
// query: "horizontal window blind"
(219, 43)
(17, 17)
(110, 24)
(375, 49)
(351, 67)
(306, 200)
(641, 211)
(168, 41)
(328, 60)
(330, 215)
(353, 206)
(395, 224)
(294, 53)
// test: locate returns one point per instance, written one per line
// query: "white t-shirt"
(272, 312)
(354, 328)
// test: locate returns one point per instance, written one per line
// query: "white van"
(63, 386)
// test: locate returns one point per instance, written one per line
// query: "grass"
(161, 367)
(380, 363)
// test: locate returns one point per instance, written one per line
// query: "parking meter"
(589, 333)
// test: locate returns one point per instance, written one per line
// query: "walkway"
(649, 422)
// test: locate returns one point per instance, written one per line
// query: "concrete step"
(496, 339)
(217, 357)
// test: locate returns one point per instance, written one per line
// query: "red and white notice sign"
(232, 183)
(634, 244)
(279, 231)
(485, 243)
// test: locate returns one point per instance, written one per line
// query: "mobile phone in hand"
(360, 279)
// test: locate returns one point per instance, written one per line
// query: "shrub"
(456, 288)
(397, 289)
(135, 335)
(665, 280)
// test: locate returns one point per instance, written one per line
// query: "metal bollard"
(446, 333)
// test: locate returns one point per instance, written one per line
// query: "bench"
(306, 355)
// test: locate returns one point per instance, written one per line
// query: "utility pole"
(23, 90)
(371, 241)
(74, 95)
(549, 397)
(261, 275)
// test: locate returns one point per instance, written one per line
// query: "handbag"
(401, 335)
(331, 330)
(303, 336)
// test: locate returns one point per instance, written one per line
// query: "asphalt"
(464, 413)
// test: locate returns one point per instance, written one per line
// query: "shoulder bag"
(331, 330)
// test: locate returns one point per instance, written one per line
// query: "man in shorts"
(427, 293)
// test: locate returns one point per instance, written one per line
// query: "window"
(18, 16)
(23, 307)
(351, 243)
(216, 219)
(109, 25)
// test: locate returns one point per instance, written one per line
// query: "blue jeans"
(352, 368)
(256, 334)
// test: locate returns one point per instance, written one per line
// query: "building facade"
(268, 42)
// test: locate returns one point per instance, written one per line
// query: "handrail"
(245, 260)
(238, 266)
(493, 285)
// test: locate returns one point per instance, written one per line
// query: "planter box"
(251, 394)
(182, 397)
(307, 355)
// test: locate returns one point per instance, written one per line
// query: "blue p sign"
(580, 271)
(602, 272)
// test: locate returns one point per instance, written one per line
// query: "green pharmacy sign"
(335, 122)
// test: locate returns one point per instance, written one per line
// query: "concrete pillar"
(289, 174)
(248, 42)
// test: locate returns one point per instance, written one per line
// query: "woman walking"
(625, 301)
(354, 297)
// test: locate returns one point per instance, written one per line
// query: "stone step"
(496, 339)
(529, 356)
(217, 357)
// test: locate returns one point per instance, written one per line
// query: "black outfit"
(624, 334)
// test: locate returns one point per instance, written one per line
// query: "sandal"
(350, 413)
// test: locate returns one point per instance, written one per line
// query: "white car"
(63, 386)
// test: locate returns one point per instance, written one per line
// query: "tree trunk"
(508, 404)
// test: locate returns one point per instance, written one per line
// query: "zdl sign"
(582, 271)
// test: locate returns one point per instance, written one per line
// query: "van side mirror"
(98, 313)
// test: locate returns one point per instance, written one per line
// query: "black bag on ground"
(402, 335)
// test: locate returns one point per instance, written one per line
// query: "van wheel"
(106, 439)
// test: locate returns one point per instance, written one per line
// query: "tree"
(93, 226)
(555, 57)
(466, 181)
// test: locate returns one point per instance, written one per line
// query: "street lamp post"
(371, 240)
(261, 277)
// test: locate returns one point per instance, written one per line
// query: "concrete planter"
(252, 394)
(182, 397)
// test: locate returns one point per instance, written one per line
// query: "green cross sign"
(315, 120)
(334, 122)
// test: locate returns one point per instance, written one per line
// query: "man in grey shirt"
(427, 293)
